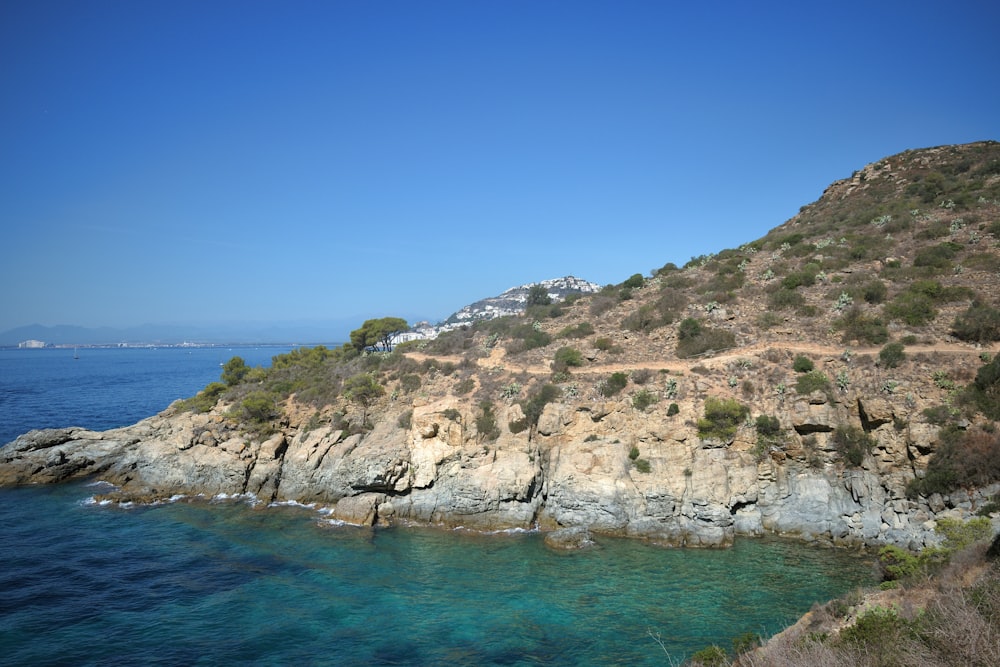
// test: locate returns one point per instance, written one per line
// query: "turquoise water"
(223, 583)
(204, 583)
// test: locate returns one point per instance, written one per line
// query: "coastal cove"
(220, 581)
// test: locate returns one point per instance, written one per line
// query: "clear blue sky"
(164, 161)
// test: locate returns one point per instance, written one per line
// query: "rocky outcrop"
(577, 469)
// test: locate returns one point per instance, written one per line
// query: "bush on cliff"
(812, 381)
(964, 458)
(612, 385)
(234, 370)
(892, 355)
(980, 323)
(565, 358)
(205, 399)
(694, 339)
(486, 422)
(532, 408)
(723, 417)
(852, 444)
(861, 327)
(258, 407)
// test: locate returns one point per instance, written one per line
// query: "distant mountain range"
(509, 302)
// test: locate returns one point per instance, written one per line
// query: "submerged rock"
(570, 539)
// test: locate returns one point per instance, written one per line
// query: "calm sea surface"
(223, 583)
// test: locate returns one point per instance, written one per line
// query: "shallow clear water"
(223, 583)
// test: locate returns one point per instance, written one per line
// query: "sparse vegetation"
(723, 417)
(802, 364)
(566, 358)
(980, 323)
(643, 399)
(695, 339)
(812, 381)
(613, 384)
(892, 355)
(852, 444)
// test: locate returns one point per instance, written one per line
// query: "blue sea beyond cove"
(224, 583)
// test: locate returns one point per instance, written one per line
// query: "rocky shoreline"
(574, 471)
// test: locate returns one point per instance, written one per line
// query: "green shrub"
(613, 384)
(984, 392)
(802, 364)
(565, 358)
(874, 292)
(234, 371)
(959, 535)
(518, 426)
(723, 417)
(812, 381)
(259, 407)
(409, 382)
(768, 426)
(633, 453)
(939, 256)
(896, 563)
(694, 339)
(879, 632)
(673, 410)
(642, 465)
(645, 319)
(892, 355)
(852, 444)
(527, 337)
(913, 308)
(581, 330)
(858, 326)
(746, 642)
(635, 281)
(782, 299)
(643, 399)
(768, 320)
(799, 279)
(405, 420)
(604, 344)
(486, 422)
(533, 407)
(980, 323)
(710, 656)
(937, 415)
(204, 400)
(689, 328)
(969, 458)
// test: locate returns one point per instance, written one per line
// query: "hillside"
(836, 380)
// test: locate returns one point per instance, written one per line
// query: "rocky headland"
(841, 356)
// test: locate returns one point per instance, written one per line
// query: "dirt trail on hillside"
(497, 357)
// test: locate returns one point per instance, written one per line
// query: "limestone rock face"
(600, 466)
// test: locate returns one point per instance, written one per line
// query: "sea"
(231, 582)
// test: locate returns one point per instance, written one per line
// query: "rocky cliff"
(849, 344)
(576, 468)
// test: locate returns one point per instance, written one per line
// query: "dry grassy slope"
(931, 196)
